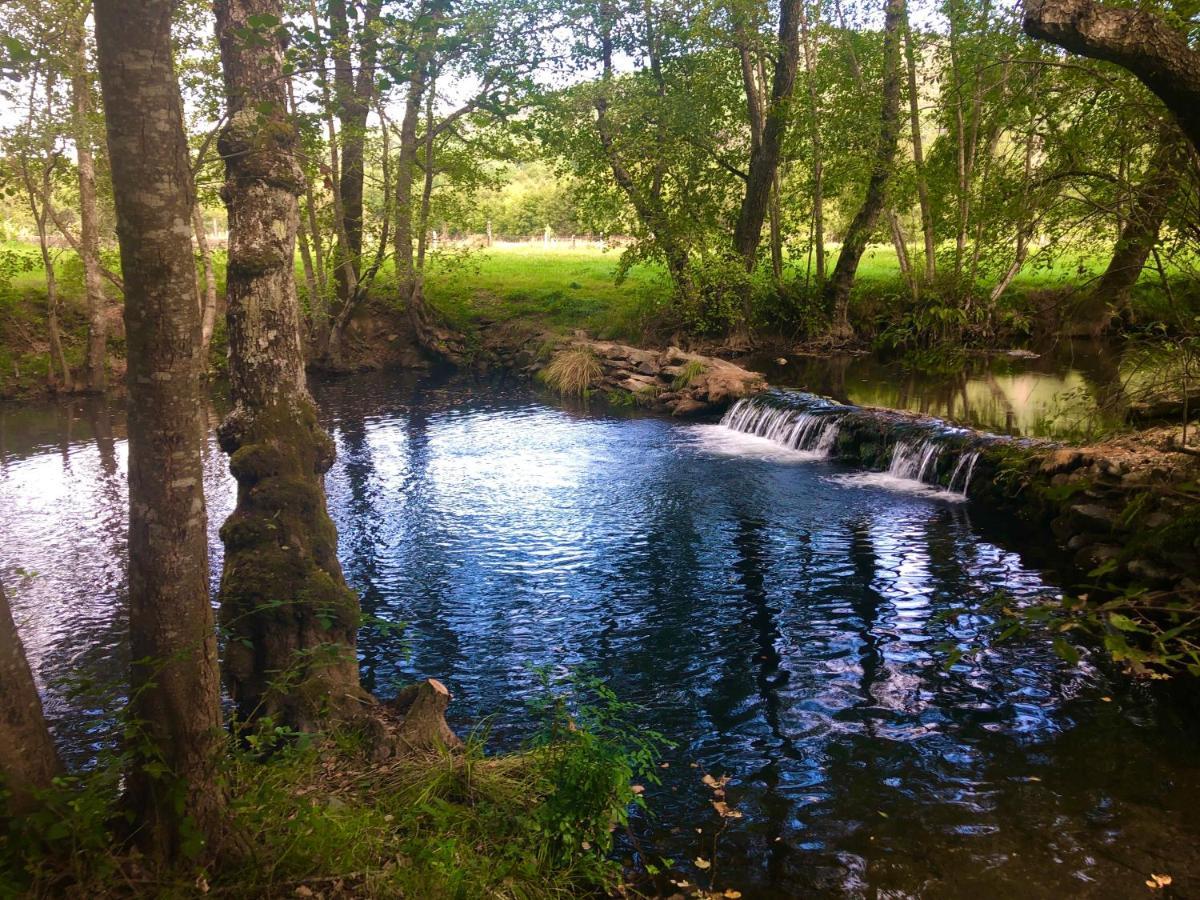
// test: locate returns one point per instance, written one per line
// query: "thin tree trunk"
(293, 660)
(901, 245)
(208, 297)
(914, 109)
(28, 760)
(764, 158)
(174, 685)
(96, 360)
(427, 168)
(814, 120)
(647, 205)
(863, 224)
(353, 93)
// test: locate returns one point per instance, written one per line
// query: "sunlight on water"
(782, 622)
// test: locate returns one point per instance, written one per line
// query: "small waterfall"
(914, 459)
(966, 464)
(796, 429)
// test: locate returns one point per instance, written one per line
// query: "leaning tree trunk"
(95, 364)
(174, 685)
(291, 621)
(1141, 42)
(863, 224)
(1138, 236)
(765, 155)
(28, 760)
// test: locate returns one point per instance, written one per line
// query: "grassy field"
(559, 286)
(563, 288)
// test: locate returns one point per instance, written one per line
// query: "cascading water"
(966, 467)
(796, 429)
(813, 428)
(914, 459)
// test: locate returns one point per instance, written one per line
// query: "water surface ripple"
(781, 625)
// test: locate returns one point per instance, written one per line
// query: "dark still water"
(776, 618)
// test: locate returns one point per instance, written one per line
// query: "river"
(776, 616)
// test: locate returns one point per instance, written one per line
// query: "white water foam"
(794, 429)
(718, 440)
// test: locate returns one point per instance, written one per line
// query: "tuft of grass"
(690, 372)
(571, 372)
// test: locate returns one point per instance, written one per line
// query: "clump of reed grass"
(690, 372)
(571, 372)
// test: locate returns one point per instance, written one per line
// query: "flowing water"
(1069, 390)
(780, 621)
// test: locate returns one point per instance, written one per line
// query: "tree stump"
(424, 709)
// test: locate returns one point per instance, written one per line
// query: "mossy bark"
(290, 620)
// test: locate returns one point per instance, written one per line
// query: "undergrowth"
(317, 817)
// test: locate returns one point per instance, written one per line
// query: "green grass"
(562, 289)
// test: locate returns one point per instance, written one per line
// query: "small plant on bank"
(592, 755)
(692, 370)
(572, 372)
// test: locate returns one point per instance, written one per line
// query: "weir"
(924, 450)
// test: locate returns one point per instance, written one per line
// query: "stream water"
(774, 615)
(1071, 389)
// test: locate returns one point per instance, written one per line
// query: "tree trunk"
(914, 110)
(863, 224)
(173, 683)
(95, 365)
(291, 620)
(208, 299)
(814, 120)
(1139, 235)
(353, 93)
(1139, 41)
(28, 760)
(646, 204)
(765, 154)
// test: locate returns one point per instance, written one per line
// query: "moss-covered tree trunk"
(28, 760)
(289, 618)
(174, 686)
(863, 225)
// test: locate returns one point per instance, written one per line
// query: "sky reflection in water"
(779, 623)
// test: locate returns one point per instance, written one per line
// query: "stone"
(688, 407)
(1150, 571)
(1079, 541)
(1094, 516)
(1065, 459)
(1096, 555)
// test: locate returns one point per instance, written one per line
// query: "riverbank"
(562, 288)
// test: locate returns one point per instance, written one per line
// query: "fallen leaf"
(303, 891)
(1157, 882)
(701, 862)
(731, 894)
(709, 780)
(725, 811)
